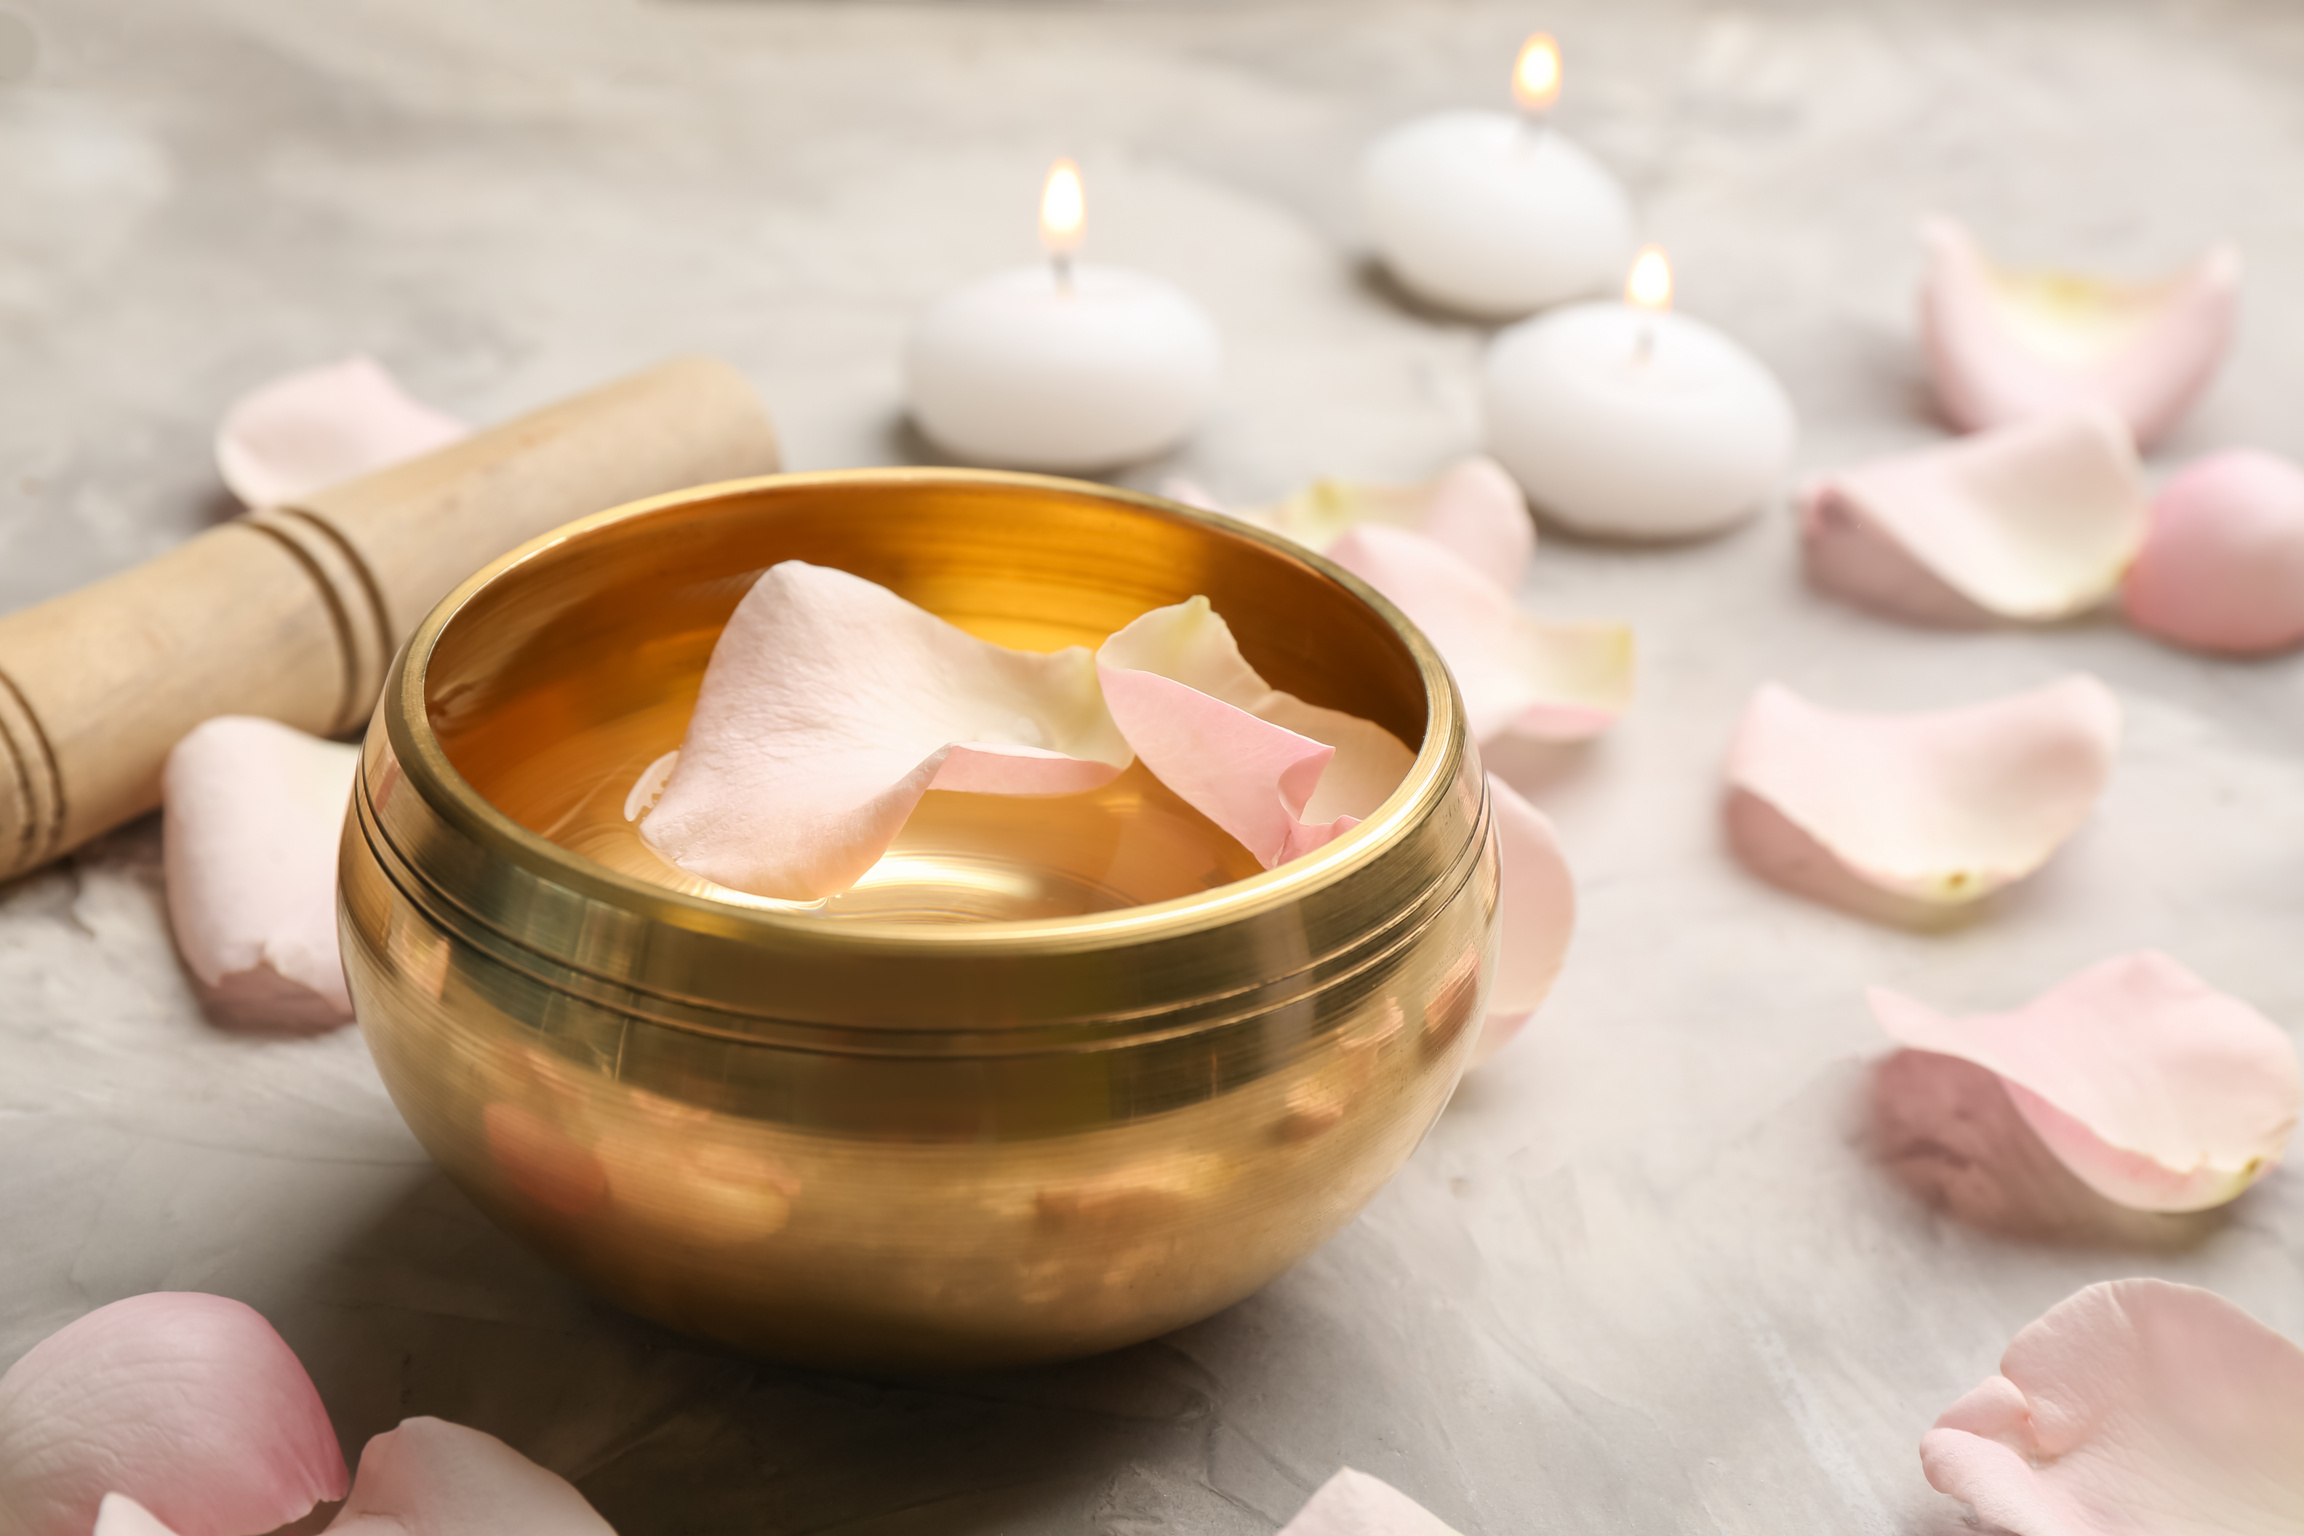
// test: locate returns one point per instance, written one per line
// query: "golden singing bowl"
(1060, 1075)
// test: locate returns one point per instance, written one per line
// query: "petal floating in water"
(831, 705)
(1283, 776)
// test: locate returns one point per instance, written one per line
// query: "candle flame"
(1536, 75)
(1063, 210)
(1649, 286)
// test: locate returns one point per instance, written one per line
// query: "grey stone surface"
(1695, 1255)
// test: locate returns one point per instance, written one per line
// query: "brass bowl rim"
(408, 726)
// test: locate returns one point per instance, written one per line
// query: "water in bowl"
(961, 857)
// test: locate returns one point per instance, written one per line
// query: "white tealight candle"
(1629, 420)
(1496, 215)
(1061, 366)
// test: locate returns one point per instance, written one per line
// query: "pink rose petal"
(2006, 347)
(831, 705)
(252, 814)
(1941, 807)
(120, 1515)
(1258, 763)
(1947, 1131)
(2158, 1091)
(1191, 493)
(2133, 1408)
(2035, 521)
(1283, 776)
(1355, 1504)
(1476, 510)
(1252, 778)
(1536, 915)
(427, 1478)
(2222, 568)
(1558, 682)
(430, 1478)
(1450, 552)
(309, 430)
(188, 1404)
(1473, 508)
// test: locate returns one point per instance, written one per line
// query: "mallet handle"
(295, 612)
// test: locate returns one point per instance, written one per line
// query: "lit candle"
(1062, 366)
(1630, 420)
(1494, 214)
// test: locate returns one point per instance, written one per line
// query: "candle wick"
(1533, 126)
(1645, 344)
(1062, 260)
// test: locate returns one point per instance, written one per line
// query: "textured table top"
(1687, 1257)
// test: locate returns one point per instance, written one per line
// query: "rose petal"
(2007, 346)
(2036, 521)
(1558, 682)
(432, 1478)
(2157, 1090)
(1191, 493)
(2222, 567)
(1355, 1504)
(1252, 778)
(189, 1404)
(1283, 776)
(298, 434)
(2133, 1408)
(831, 705)
(252, 814)
(1948, 1133)
(1535, 916)
(120, 1515)
(1473, 508)
(1941, 807)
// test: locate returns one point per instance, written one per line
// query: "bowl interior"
(553, 687)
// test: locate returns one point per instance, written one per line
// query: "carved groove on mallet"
(355, 606)
(37, 779)
(379, 613)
